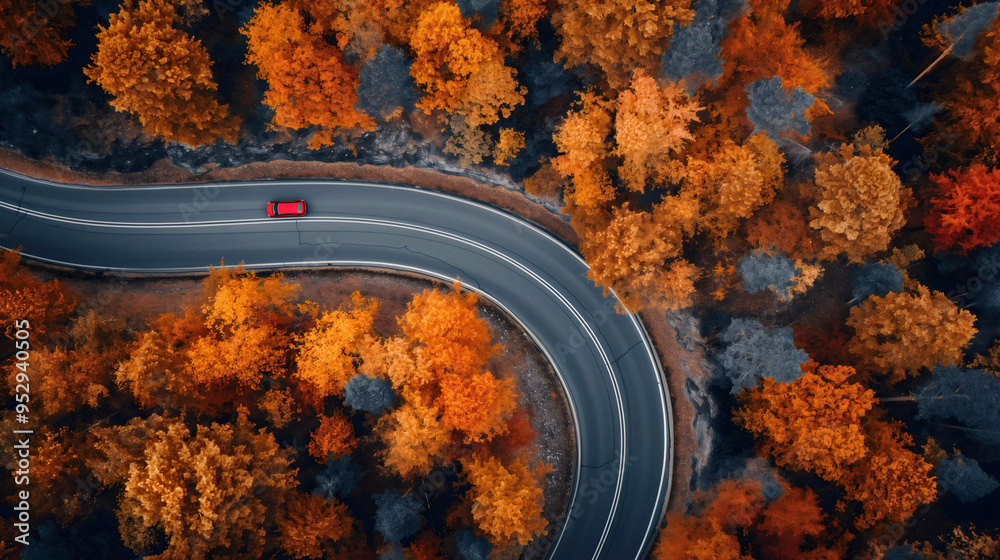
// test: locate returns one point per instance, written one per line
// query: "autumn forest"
(815, 185)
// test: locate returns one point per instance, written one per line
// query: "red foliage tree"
(335, 436)
(966, 212)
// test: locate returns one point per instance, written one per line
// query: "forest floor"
(680, 360)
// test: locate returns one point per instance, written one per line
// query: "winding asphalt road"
(606, 362)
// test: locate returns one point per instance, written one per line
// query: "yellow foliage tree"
(448, 51)
(900, 333)
(582, 143)
(618, 36)
(812, 423)
(510, 143)
(163, 75)
(414, 439)
(651, 125)
(206, 491)
(327, 352)
(861, 202)
(507, 501)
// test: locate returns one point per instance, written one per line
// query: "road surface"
(605, 360)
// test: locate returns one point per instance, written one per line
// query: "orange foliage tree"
(736, 508)
(870, 13)
(631, 253)
(618, 36)
(783, 227)
(45, 305)
(447, 327)
(206, 491)
(964, 214)
(57, 462)
(967, 95)
(492, 91)
(311, 525)
(788, 521)
(899, 333)
(507, 501)
(426, 546)
(395, 358)
(710, 536)
(309, 84)
(449, 53)
(860, 203)
(651, 125)
(328, 351)
(892, 482)
(582, 143)
(33, 33)
(67, 378)
(208, 359)
(334, 436)
(812, 423)
(761, 44)
(162, 74)
(477, 405)
(735, 183)
(521, 16)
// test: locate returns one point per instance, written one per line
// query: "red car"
(286, 208)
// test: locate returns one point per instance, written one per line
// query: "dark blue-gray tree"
(904, 552)
(385, 85)
(694, 54)
(545, 78)
(472, 547)
(392, 552)
(370, 394)
(483, 13)
(773, 109)
(753, 351)
(963, 477)
(397, 515)
(970, 396)
(961, 31)
(338, 479)
(875, 279)
(761, 271)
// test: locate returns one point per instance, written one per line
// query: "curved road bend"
(606, 362)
